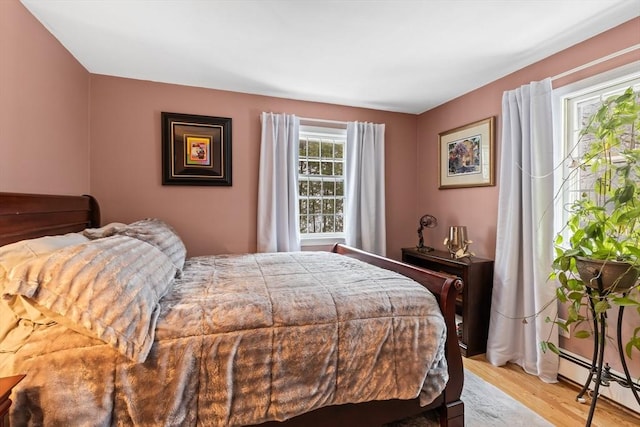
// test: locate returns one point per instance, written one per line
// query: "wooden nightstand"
(6, 384)
(474, 305)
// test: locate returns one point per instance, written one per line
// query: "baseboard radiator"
(576, 369)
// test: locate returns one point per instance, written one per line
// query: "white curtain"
(278, 184)
(525, 235)
(364, 181)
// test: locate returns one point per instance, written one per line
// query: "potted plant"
(597, 258)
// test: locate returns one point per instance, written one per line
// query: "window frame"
(320, 129)
(565, 99)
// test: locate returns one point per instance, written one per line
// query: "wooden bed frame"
(26, 216)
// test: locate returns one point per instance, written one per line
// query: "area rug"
(484, 406)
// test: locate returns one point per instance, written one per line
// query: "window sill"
(321, 241)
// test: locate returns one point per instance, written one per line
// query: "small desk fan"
(428, 221)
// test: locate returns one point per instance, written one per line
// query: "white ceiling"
(405, 56)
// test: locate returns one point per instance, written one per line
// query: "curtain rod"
(597, 61)
(306, 119)
(333, 122)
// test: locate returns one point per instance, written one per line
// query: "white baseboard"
(578, 374)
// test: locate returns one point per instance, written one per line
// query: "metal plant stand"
(598, 367)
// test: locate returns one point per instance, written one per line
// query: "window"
(578, 102)
(321, 183)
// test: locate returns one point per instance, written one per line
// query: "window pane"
(314, 168)
(315, 206)
(314, 149)
(303, 188)
(340, 188)
(339, 224)
(328, 206)
(303, 167)
(328, 224)
(303, 206)
(311, 225)
(317, 223)
(302, 151)
(586, 179)
(338, 154)
(328, 188)
(327, 150)
(339, 206)
(303, 224)
(327, 168)
(315, 188)
(338, 168)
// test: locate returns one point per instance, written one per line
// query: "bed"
(297, 353)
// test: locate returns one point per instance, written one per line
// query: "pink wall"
(44, 109)
(477, 208)
(126, 157)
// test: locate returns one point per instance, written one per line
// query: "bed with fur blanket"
(114, 326)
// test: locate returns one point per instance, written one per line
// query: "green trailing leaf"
(633, 250)
(625, 301)
(575, 296)
(561, 295)
(631, 344)
(601, 306)
(582, 334)
(562, 277)
(562, 326)
(574, 285)
(572, 314)
(544, 346)
(547, 345)
(579, 235)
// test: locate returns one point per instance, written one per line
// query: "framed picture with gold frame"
(467, 155)
(196, 150)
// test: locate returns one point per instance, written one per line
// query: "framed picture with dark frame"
(196, 150)
(467, 155)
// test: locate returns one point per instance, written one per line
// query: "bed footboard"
(445, 287)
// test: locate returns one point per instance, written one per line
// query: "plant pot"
(615, 276)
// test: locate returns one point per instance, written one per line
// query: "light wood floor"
(555, 402)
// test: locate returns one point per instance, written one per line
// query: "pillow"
(160, 235)
(19, 317)
(150, 230)
(16, 253)
(107, 288)
(13, 310)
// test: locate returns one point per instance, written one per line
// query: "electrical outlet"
(562, 332)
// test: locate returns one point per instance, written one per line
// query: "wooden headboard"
(27, 216)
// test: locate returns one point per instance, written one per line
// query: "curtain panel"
(278, 229)
(524, 244)
(365, 224)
